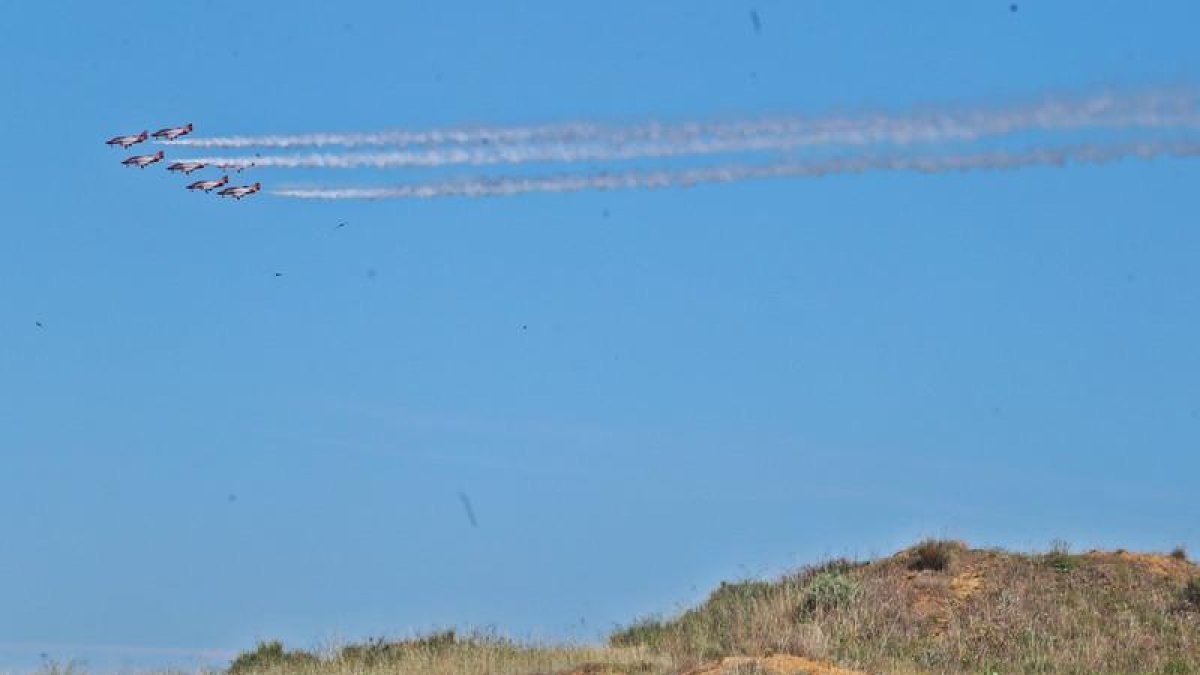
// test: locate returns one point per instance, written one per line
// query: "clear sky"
(642, 393)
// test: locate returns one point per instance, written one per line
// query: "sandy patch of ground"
(780, 664)
(1162, 565)
(966, 584)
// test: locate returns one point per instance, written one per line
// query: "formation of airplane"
(240, 191)
(185, 168)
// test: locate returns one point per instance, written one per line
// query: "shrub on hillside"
(738, 595)
(647, 632)
(1191, 593)
(837, 565)
(933, 555)
(380, 650)
(728, 622)
(270, 655)
(438, 644)
(825, 591)
(1060, 558)
(1176, 667)
(1179, 553)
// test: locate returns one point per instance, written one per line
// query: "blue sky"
(711, 383)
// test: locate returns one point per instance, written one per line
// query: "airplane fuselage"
(126, 141)
(207, 185)
(173, 133)
(141, 161)
(237, 192)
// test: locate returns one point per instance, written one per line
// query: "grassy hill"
(939, 607)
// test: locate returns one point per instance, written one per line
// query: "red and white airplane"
(207, 185)
(126, 141)
(186, 167)
(171, 133)
(240, 191)
(142, 161)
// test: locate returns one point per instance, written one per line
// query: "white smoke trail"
(557, 132)
(991, 160)
(1155, 108)
(515, 154)
(574, 152)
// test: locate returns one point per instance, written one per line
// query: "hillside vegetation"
(939, 607)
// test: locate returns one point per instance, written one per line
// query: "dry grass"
(943, 608)
(445, 653)
(939, 607)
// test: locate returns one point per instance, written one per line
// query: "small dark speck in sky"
(524, 327)
(1013, 7)
(371, 274)
(605, 214)
(466, 502)
(279, 274)
(232, 498)
(38, 324)
(758, 22)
